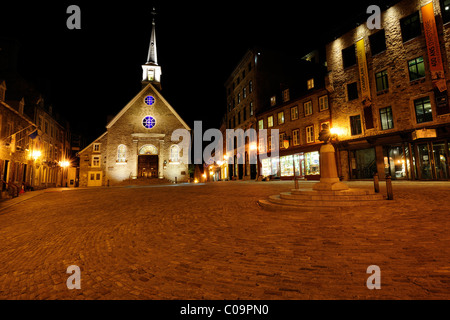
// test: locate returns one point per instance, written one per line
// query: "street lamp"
(36, 154)
(63, 165)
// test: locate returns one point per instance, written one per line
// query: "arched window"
(174, 153)
(122, 154)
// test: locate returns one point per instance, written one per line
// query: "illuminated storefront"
(307, 166)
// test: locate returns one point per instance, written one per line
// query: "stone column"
(134, 172)
(329, 179)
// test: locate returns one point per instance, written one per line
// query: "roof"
(79, 152)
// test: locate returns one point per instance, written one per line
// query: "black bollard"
(296, 183)
(376, 183)
(390, 194)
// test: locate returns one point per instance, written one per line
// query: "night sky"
(94, 72)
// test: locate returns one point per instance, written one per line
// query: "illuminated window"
(149, 122)
(122, 153)
(174, 153)
(381, 79)
(423, 110)
(149, 100)
(310, 134)
(286, 95)
(416, 68)
(250, 87)
(281, 117)
(251, 108)
(308, 108)
(261, 124)
(387, 122)
(273, 101)
(148, 150)
(281, 140)
(96, 147)
(270, 121)
(323, 103)
(310, 84)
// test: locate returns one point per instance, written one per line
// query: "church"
(137, 143)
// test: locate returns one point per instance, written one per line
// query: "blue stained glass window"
(149, 100)
(149, 122)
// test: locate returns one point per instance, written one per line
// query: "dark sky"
(91, 73)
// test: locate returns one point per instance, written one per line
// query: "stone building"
(138, 141)
(388, 89)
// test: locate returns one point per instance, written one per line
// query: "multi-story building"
(388, 88)
(249, 88)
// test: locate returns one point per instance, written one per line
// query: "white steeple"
(151, 71)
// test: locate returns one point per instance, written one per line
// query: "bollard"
(376, 183)
(390, 194)
(296, 183)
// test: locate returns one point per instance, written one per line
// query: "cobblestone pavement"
(213, 242)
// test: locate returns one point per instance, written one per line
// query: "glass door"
(440, 161)
(424, 159)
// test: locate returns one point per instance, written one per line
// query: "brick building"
(388, 89)
(137, 143)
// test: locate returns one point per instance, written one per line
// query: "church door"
(148, 166)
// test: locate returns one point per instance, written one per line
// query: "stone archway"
(148, 162)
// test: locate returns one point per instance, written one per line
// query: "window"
(296, 137)
(310, 84)
(244, 93)
(352, 91)
(308, 108)
(281, 117)
(310, 134)
(244, 113)
(174, 153)
(386, 120)
(381, 79)
(445, 10)
(270, 121)
(149, 100)
(249, 66)
(323, 103)
(96, 161)
(410, 26)
(121, 154)
(273, 101)
(149, 122)
(355, 125)
(261, 124)
(416, 68)
(377, 42)
(250, 87)
(349, 56)
(239, 98)
(262, 145)
(294, 113)
(251, 108)
(281, 144)
(286, 95)
(46, 127)
(423, 110)
(239, 118)
(96, 147)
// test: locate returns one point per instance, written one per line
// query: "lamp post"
(63, 165)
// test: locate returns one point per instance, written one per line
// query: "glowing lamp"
(36, 155)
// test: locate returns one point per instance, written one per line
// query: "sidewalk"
(6, 203)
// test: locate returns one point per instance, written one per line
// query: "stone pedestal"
(329, 180)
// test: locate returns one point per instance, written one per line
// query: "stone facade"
(400, 96)
(128, 132)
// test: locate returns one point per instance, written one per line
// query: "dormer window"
(96, 147)
(286, 95)
(310, 84)
(273, 101)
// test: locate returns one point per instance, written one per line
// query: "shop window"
(270, 121)
(355, 125)
(296, 137)
(323, 103)
(352, 91)
(312, 164)
(349, 56)
(281, 117)
(445, 10)
(410, 26)
(294, 113)
(287, 166)
(386, 120)
(378, 42)
(308, 108)
(310, 134)
(381, 79)
(423, 110)
(416, 68)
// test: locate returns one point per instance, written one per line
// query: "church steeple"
(151, 69)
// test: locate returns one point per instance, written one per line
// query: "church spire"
(151, 70)
(152, 54)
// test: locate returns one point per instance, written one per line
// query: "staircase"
(312, 200)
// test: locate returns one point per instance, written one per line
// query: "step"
(349, 192)
(323, 203)
(268, 205)
(326, 197)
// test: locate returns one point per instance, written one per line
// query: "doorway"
(432, 160)
(148, 166)
(95, 179)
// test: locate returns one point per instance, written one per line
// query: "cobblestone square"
(212, 241)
